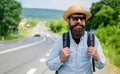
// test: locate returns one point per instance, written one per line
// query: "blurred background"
(29, 28)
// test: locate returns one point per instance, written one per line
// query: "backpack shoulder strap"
(66, 42)
(91, 38)
(66, 39)
(91, 42)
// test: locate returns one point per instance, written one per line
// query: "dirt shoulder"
(112, 69)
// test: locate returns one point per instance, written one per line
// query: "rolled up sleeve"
(53, 62)
(102, 61)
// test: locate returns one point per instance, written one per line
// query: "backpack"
(90, 42)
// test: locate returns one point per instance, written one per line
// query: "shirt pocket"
(83, 55)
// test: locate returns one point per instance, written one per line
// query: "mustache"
(77, 24)
(77, 33)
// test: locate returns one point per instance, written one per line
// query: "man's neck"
(77, 40)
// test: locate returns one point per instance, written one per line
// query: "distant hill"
(44, 14)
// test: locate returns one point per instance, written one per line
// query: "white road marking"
(24, 46)
(43, 60)
(31, 71)
(48, 35)
(47, 54)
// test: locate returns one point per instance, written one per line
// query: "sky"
(55, 4)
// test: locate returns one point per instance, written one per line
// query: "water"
(43, 14)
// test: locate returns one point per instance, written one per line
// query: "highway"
(26, 55)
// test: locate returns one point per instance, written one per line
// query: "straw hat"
(76, 9)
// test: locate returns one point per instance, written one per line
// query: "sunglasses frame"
(75, 18)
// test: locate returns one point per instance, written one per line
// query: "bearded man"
(77, 58)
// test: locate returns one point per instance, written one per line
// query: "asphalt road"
(28, 55)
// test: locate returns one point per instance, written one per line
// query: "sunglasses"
(75, 18)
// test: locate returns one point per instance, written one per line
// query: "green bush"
(32, 22)
(10, 37)
(58, 26)
(109, 37)
(23, 31)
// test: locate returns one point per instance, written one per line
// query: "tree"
(104, 11)
(10, 11)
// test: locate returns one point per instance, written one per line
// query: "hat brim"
(69, 12)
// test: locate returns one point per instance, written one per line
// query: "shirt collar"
(72, 38)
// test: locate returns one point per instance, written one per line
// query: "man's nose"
(79, 20)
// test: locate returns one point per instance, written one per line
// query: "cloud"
(28, 5)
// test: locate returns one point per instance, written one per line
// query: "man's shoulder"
(59, 38)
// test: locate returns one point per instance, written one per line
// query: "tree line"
(10, 11)
(105, 12)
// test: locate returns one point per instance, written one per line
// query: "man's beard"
(77, 32)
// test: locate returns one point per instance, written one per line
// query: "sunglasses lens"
(78, 17)
(75, 18)
(82, 18)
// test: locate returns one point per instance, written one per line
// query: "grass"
(10, 37)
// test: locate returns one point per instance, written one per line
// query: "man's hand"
(65, 53)
(93, 52)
